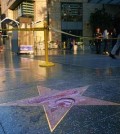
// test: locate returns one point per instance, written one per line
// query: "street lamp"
(46, 63)
(13, 23)
(10, 21)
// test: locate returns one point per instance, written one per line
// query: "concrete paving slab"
(87, 61)
(1, 129)
(21, 75)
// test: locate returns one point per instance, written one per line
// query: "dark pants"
(98, 47)
(105, 45)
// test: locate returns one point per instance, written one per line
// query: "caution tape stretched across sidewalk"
(81, 37)
(53, 29)
(24, 29)
(59, 31)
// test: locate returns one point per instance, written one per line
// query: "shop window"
(71, 12)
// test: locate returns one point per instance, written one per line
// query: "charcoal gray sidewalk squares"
(79, 95)
(1, 129)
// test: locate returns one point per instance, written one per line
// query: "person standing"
(115, 48)
(114, 37)
(98, 40)
(105, 40)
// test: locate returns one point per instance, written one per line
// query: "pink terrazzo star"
(58, 103)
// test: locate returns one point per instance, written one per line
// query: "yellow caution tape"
(81, 37)
(23, 29)
(53, 29)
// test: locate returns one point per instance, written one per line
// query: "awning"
(105, 1)
(11, 22)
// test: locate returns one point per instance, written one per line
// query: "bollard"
(46, 63)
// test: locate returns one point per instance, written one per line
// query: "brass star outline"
(58, 103)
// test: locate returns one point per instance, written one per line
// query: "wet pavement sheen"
(21, 75)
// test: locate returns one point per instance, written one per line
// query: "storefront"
(22, 14)
(71, 17)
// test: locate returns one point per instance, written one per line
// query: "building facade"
(65, 17)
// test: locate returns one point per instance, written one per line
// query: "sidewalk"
(79, 95)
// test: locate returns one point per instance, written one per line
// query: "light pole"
(48, 8)
(13, 23)
(46, 63)
(9, 20)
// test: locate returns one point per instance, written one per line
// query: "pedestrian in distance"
(114, 37)
(98, 40)
(105, 41)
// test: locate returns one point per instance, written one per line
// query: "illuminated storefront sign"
(26, 49)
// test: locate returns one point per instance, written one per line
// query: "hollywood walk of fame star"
(58, 103)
